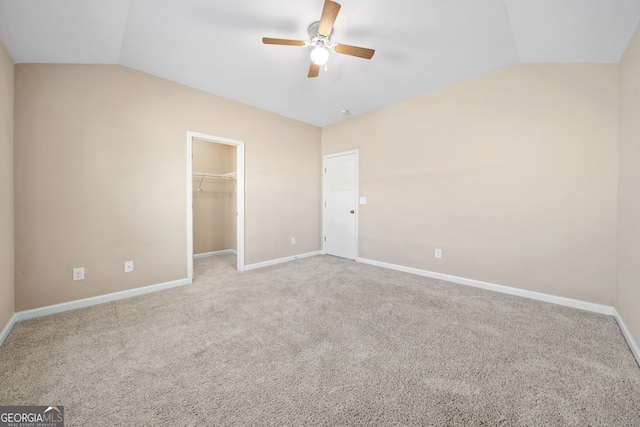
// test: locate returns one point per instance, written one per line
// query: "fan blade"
(284, 42)
(314, 70)
(329, 15)
(360, 52)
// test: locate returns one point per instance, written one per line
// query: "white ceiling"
(215, 45)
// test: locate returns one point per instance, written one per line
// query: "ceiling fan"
(320, 39)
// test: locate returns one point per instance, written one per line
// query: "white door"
(340, 194)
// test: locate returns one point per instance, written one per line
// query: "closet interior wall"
(214, 199)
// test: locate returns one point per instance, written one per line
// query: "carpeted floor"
(323, 341)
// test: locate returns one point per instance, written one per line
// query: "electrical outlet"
(78, 274)
(293, 240)
(438, 253)
(128, 266)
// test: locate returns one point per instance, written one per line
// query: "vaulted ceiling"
(216, 45)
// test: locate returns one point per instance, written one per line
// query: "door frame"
(239, 199)
(324, 194)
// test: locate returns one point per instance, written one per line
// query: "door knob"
(352, 211)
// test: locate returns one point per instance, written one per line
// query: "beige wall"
(211, 157)
(6, 188)
(513, 175)
(628, 304)
(214, 201)
(100, 161)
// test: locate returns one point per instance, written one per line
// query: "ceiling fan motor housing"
(317, 39)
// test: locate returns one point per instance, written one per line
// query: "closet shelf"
(230, 175)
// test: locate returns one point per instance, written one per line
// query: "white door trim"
(324, 195)
(240, 198)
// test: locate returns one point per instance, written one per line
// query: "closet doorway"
(215, 198)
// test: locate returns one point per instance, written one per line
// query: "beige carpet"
(323, 341)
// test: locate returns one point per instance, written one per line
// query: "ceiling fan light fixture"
(319, 55)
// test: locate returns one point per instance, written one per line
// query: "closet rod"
(230, 175)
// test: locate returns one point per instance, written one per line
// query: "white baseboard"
(207, 254)
(568, 302)
(627, 335)
(280, 260)
(100, 299)
(72, 305)
(7, 328)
